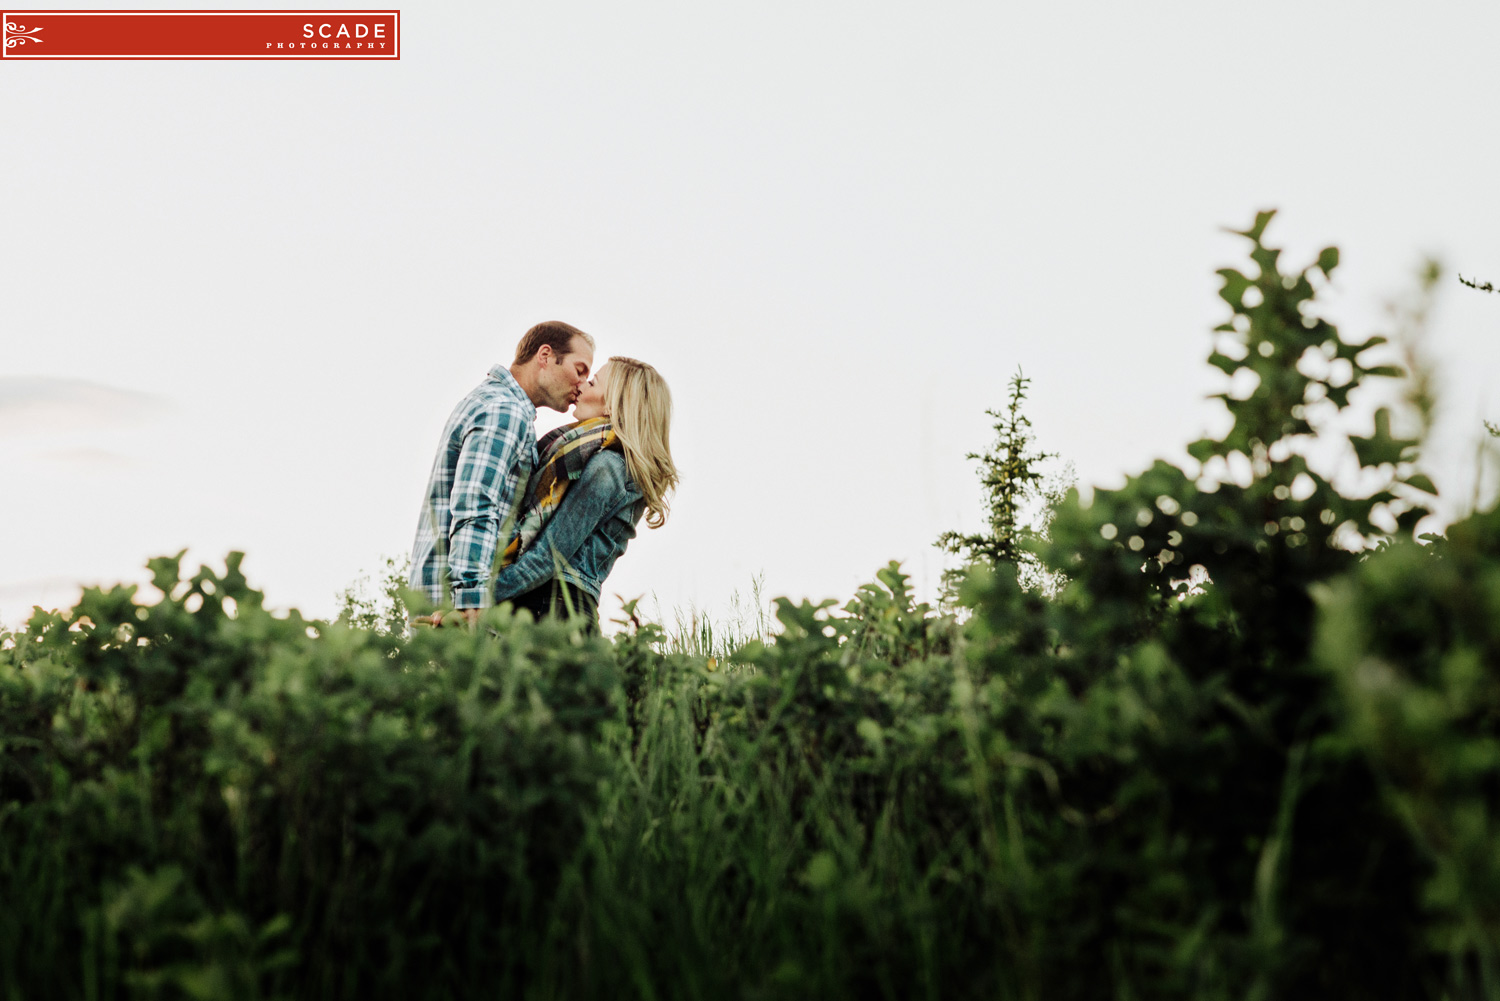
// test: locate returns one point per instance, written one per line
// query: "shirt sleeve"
(601, 490)
(491, 449)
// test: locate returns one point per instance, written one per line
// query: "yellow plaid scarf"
(563, 453)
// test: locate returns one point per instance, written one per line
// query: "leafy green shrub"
(1168, 753)
(1414, 643)
(399, 811)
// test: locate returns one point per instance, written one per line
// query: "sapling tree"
(1019, 496)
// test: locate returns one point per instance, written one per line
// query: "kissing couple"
(540, 523)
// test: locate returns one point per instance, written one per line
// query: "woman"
(622, 434)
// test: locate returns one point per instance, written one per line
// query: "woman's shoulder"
(609, 464)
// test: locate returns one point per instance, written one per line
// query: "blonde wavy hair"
(640, 408)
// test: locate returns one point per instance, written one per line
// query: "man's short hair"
(553, 333)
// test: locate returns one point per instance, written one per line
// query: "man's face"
(562, 377)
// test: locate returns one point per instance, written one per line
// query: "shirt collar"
(501, 374)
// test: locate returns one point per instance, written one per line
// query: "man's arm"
(480, 503)
(601, 489)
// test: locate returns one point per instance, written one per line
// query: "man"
(484, 460)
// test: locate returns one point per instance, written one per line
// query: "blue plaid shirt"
(486, 455)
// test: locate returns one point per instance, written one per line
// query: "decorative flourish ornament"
(18, 34)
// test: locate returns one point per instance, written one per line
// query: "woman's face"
(591, 400)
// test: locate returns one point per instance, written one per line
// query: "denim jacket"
(585, 536)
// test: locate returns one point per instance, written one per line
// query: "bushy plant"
(1413, 643)
(1168, 752)
(197, 792)
(378, 604)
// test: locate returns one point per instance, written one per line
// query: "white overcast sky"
(239, 299)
